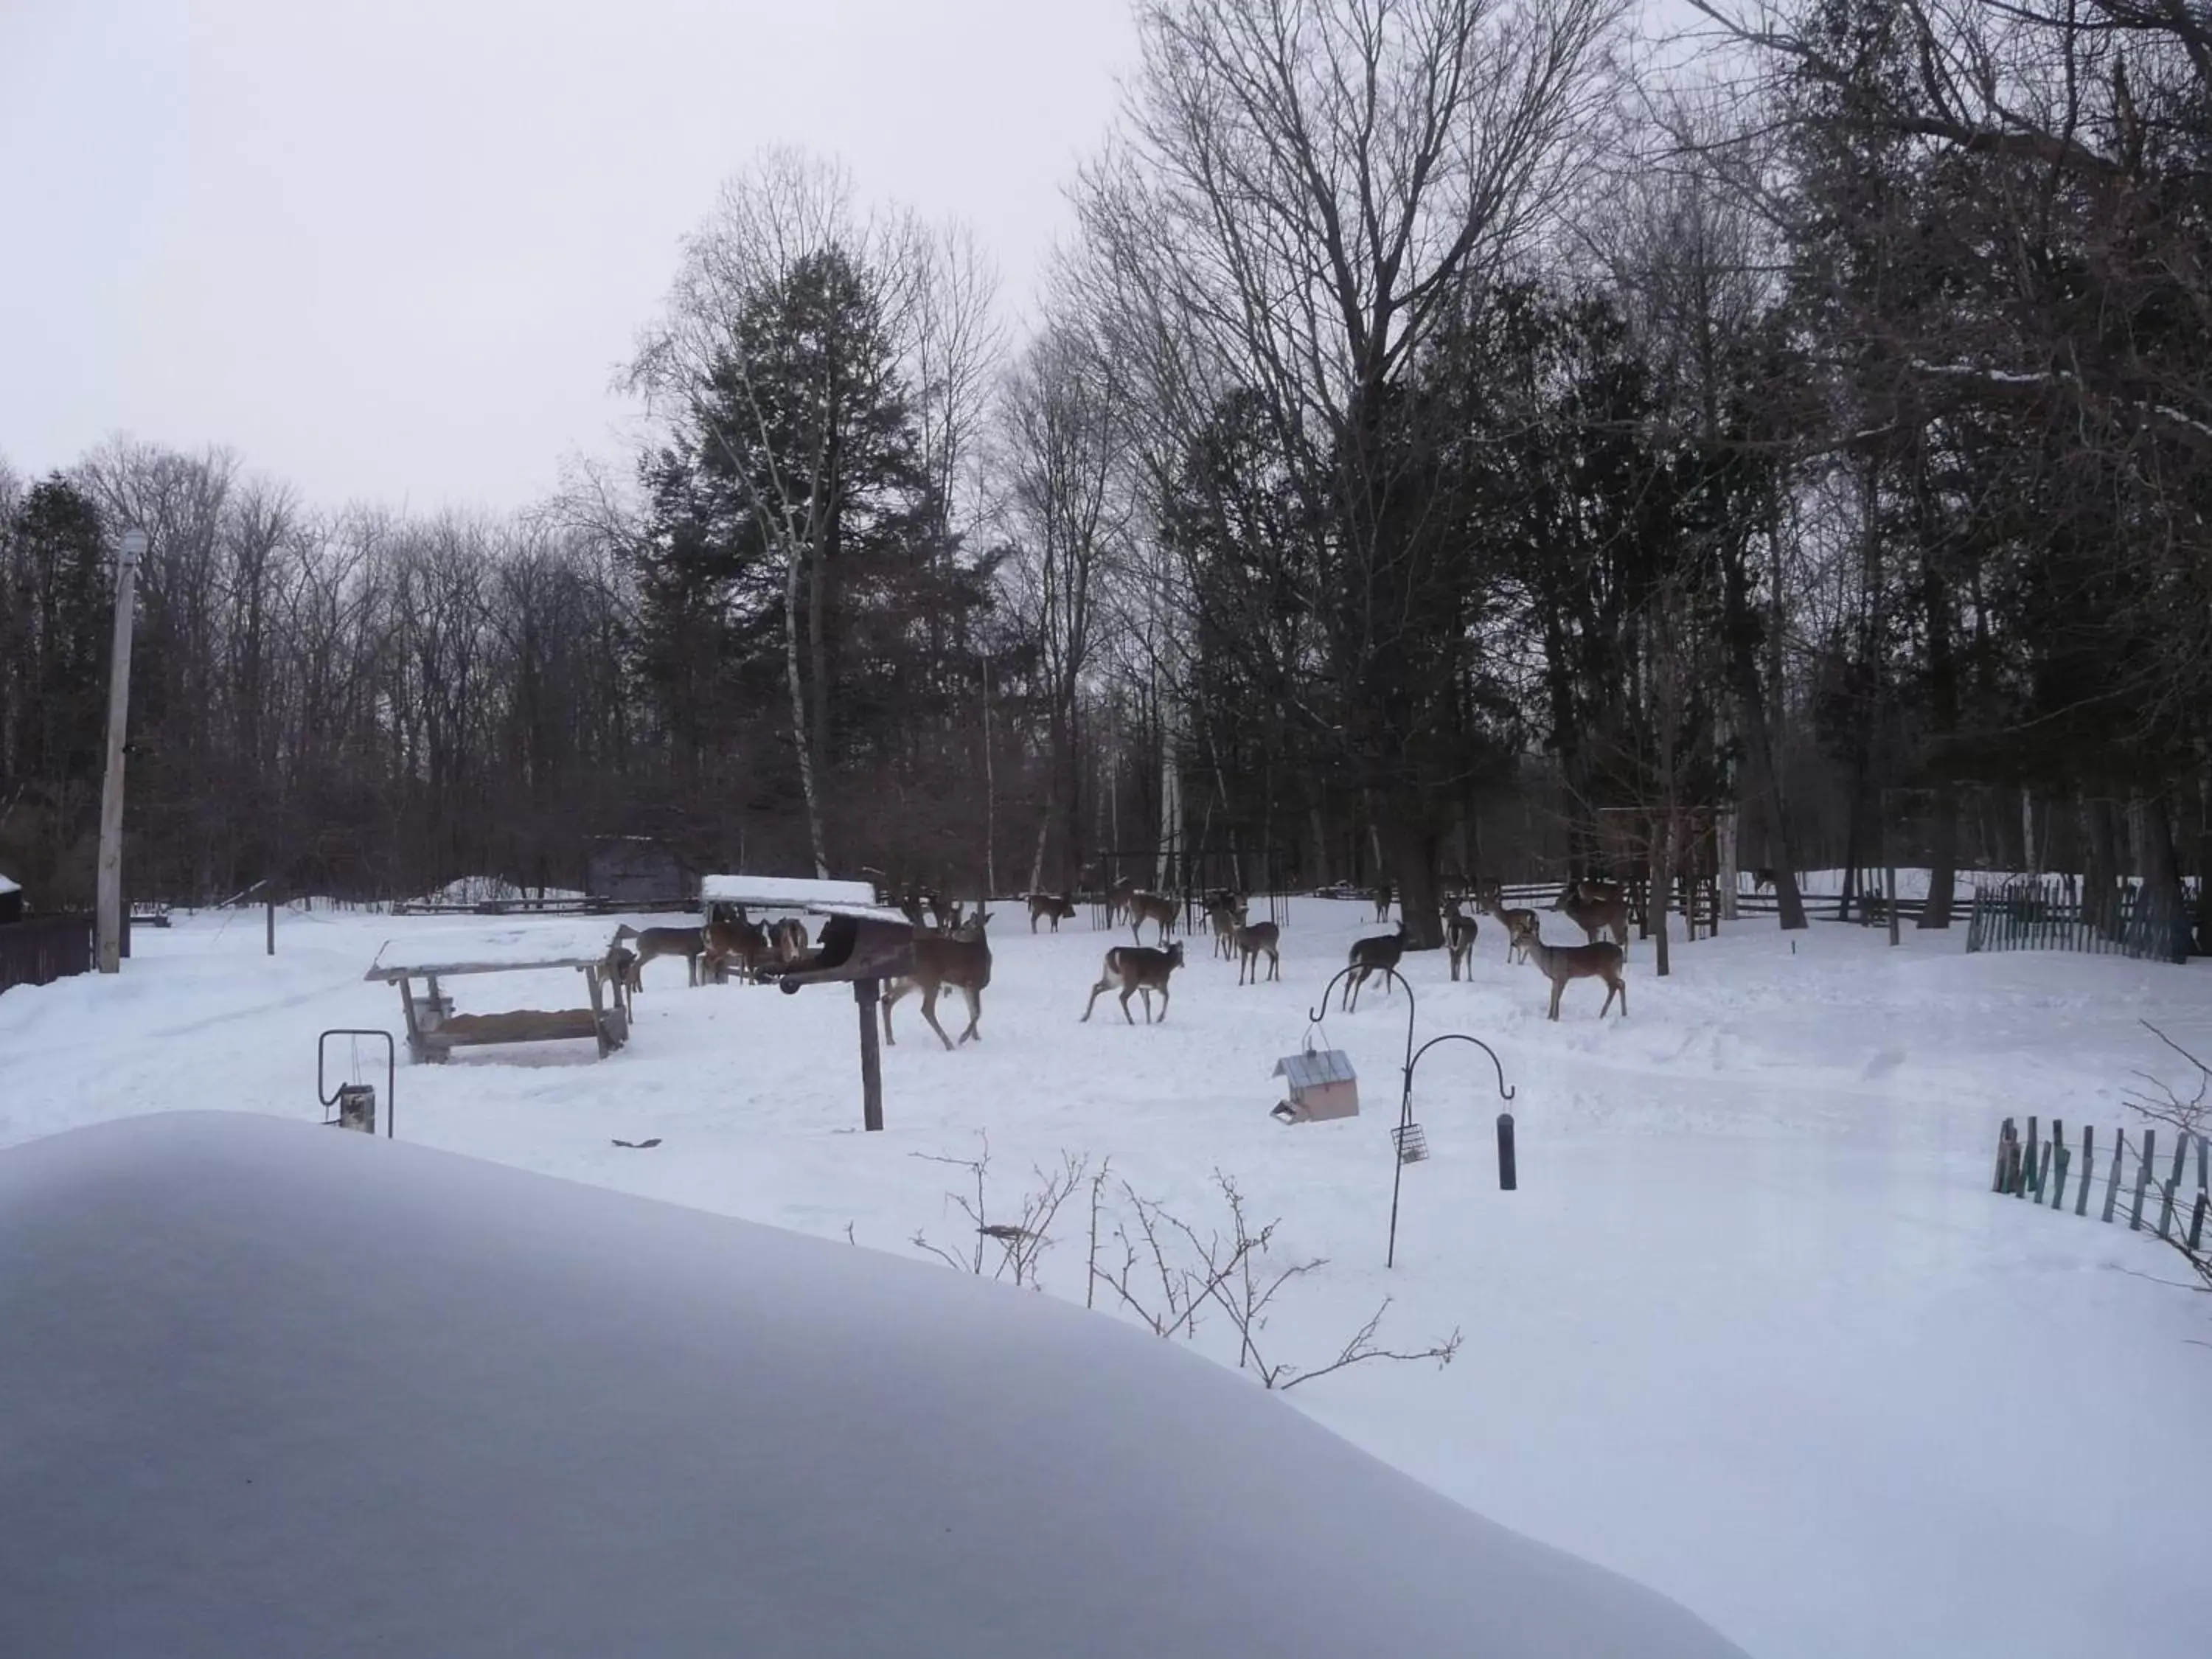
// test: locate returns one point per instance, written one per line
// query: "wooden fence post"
(2143, 1178)
(2006, 1135)
(2089, 1167)
(2027, 1178)
(2197, 1221)
(2112, 1187)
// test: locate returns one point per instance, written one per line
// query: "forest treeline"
(1460, 438)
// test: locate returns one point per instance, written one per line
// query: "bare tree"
(1305, 194)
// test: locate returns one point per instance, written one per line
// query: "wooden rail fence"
(39, 949)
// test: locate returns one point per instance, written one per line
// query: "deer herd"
(952, 949)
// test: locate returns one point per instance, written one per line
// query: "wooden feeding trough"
(435, 1030)
(861, 944)
(1322, 1085)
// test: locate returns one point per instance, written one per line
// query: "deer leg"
(1093, 1003)
(1558, 986)
(974, 1000)
(1163, 1005)
(892, 993)
(1274, 965)
(1128, 991)
(929, 1013)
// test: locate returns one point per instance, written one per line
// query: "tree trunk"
(801, 739)
(1942, 873)
(2099, 867)
(1662, 876)
(1743, 633)
(1412, 850)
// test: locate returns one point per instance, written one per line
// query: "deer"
(960, 958)
(1117, 902)
(1380, 895)
(1224, 914)
(743, 941)
(787, 938)
(690, 943)
(1051, 907)
(1490, 896)
(619, 967)
(1459, 937)
(1369, 955)
(944, 912)
(1137, 969)
(1562, 963)
(1595, 907)
(1162, 908)
(1250, 942)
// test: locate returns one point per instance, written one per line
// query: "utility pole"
(110, 893)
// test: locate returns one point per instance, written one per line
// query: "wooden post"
(1889, 895)
(272, 928)
(2143, 1178)
(108, 877)
(864, 993)
(2112, 1187)
(2027, 1182)
(2088, 1167)
(2006, 1134)
(2196, 1220)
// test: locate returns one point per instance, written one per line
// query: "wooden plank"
(2143, 1178)
(2034, 1140)
(2197, 1221)
(2088, 1167)
(386, 973)
(2166, 1210)
(2006, 1135)
(2054, 1182)
(2112, 1188)
(516, 1025)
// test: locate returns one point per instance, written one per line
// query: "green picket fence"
(2044, 913)
(2154, 1193)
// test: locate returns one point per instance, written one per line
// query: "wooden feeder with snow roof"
(1322, 1085)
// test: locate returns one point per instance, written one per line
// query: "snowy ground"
(1754, 1331)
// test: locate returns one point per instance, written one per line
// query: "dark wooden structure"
(637, 870)
(39, 949)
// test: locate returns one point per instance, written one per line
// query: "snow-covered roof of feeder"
(7, 886)
(1311, 1070)
(796, 891)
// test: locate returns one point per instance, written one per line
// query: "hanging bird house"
(1322, 1085)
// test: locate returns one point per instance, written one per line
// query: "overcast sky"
(393, 250)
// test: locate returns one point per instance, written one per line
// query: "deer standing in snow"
(1261, 936)
(1459, 936)
(1565, 964)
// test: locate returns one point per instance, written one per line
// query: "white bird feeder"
(1322, 1085)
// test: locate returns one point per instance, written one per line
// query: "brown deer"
(690, 943)
(1164, 909)
(1224, 914)
(944, 912)
(1250, 942)
(743, 941)
(1595, 907)
(961, 959)
(1368, 957)
(1561, 964)
(1380, 895)
(1117, 902)
(1137, 969)
(1459, 936)
(787, 938)
(619, 967)
(1051, 907)
(1491, 896)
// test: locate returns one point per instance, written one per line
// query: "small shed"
(1322, 1086)
(11, 900)
(637, 870)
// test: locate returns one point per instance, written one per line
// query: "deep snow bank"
(272, 1389)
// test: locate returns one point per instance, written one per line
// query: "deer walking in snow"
(1137, 969)
(961, 959)
(1459, 936)
(1369, 955)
